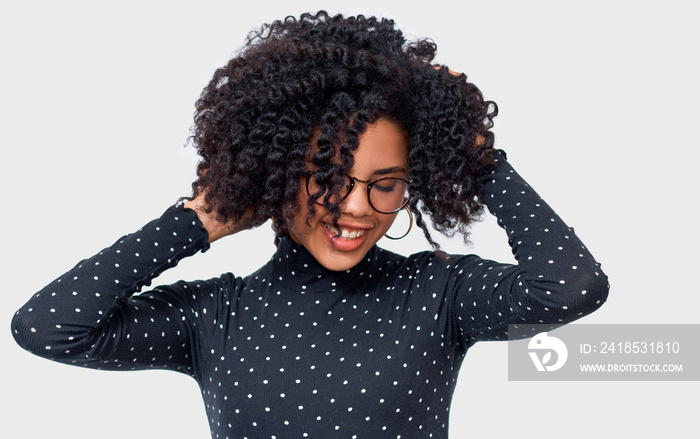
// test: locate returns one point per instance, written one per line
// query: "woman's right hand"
(215, 228)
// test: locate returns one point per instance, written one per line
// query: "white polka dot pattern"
(295, 351)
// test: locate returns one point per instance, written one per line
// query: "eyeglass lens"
(386, 195)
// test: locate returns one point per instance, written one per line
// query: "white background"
(599, 107)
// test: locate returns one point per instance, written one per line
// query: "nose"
(357, 202)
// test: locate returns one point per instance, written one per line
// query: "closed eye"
(385, 186)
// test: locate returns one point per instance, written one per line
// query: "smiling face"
(382, 152)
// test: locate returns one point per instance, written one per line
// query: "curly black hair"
(333, 75)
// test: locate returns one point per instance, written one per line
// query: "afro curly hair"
(333, 75)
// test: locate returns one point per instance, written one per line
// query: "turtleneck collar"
(294, 267)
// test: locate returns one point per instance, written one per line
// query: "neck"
(295, 268)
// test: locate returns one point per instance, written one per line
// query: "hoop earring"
(410, 225)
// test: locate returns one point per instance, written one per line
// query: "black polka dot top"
(296, 351)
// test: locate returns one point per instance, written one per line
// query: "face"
(382, 152)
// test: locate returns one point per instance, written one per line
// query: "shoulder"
(430, 263)
(196, 290)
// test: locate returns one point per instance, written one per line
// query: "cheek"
(299, 224)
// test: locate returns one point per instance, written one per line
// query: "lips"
(344, 237)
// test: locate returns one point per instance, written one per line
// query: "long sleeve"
(556, 279)
(90, 316)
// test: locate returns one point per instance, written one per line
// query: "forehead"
(383, 144)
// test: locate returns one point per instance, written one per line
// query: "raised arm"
(556, 279)
(90, 316)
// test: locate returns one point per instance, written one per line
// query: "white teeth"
(351, 235)
(346, 234)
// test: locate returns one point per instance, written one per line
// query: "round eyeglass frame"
(369, 184)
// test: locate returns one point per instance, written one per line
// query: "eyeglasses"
(385, 195)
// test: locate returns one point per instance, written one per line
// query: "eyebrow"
(391, 170)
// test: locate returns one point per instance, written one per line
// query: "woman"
(329, 126)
